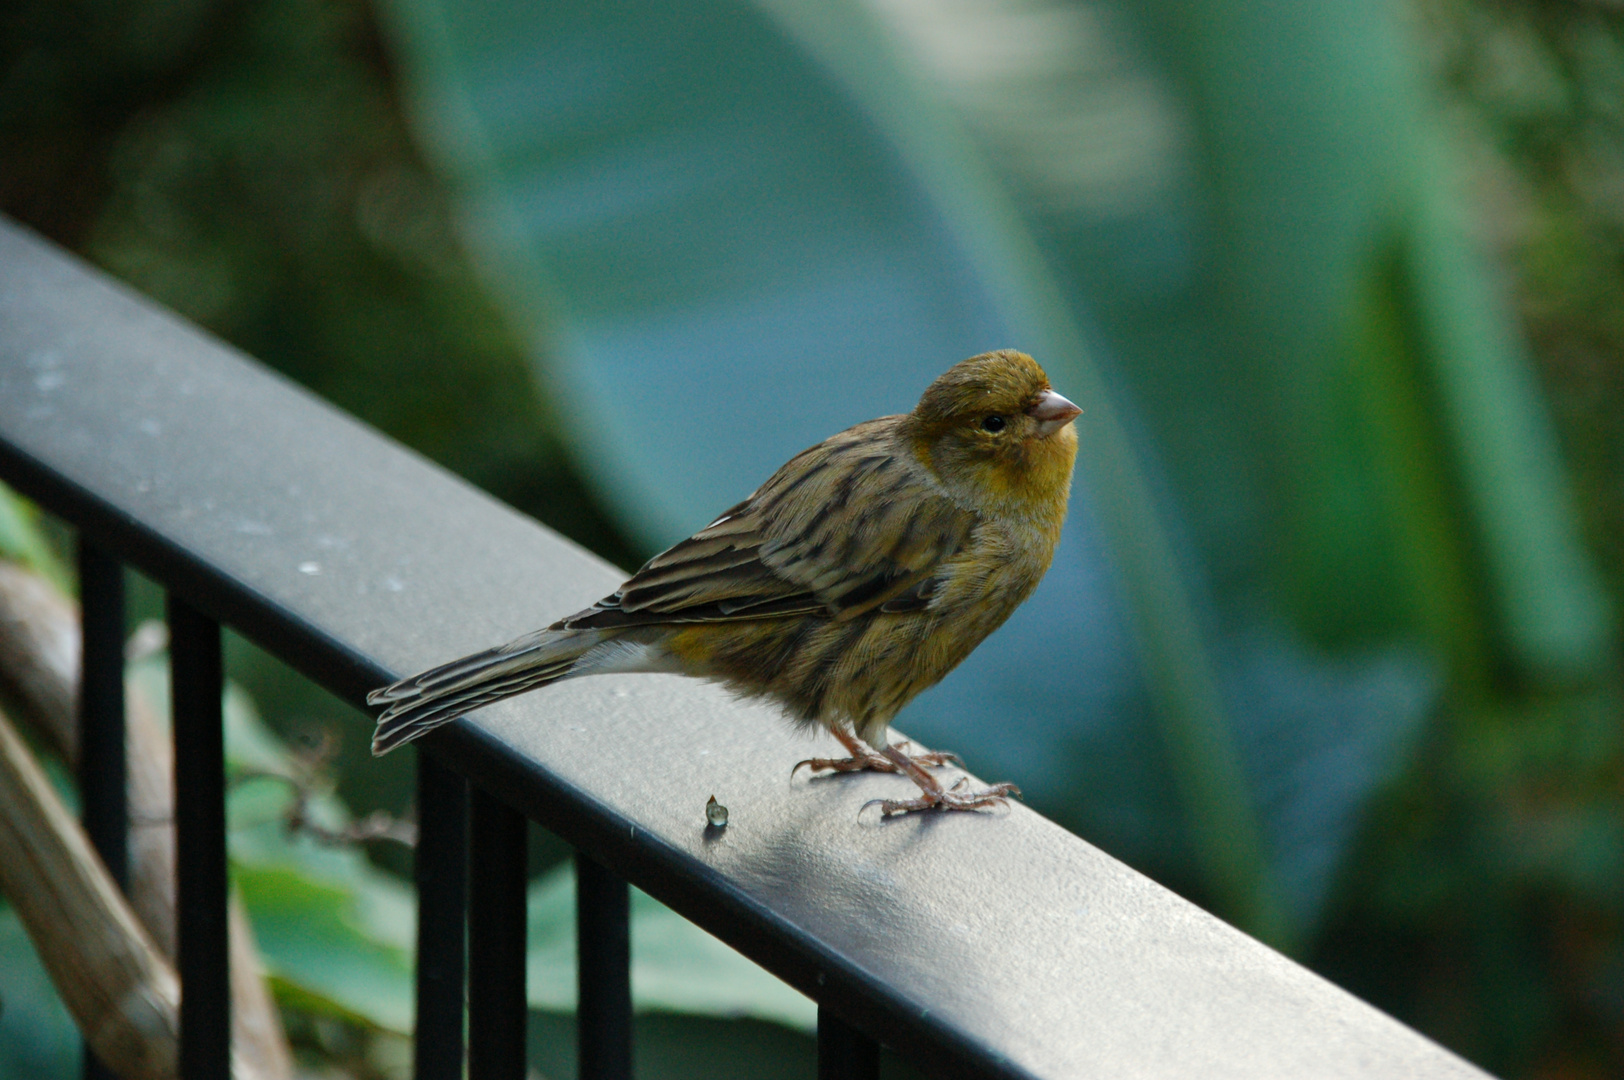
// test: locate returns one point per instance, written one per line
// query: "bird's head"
(997, 435)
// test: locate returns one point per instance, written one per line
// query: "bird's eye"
(993, 424)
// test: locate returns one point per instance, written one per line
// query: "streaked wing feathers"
(850, 525)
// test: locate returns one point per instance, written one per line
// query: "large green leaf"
(731, 230)
(1192, 184)
(1270, 234)
(336, 933)
(727, 249)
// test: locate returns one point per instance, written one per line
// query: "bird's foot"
(953, 798)
(863, 759)
(858, 762)
(932, 758)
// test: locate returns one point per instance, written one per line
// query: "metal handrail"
(975, 944)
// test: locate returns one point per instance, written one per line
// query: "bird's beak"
(1052, 412)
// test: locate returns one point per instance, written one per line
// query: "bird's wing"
(850, 525)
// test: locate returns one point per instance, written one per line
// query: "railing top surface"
(988, 944)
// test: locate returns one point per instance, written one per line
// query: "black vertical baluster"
(101, 722)
(604, 956)
(101, 708)
(442, 882)
(200, 844)
(496, 939)
(844, 1053)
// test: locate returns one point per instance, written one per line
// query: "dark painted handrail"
(976, 944)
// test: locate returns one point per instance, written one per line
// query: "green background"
(1329, 646)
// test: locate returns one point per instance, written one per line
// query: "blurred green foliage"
(37, 1036)
(1485, 902)
(249, 165)
(23, 541)
(336, 935)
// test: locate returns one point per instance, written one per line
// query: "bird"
(862, 572)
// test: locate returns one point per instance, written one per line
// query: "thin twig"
(309, 778)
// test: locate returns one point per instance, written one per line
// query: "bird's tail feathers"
(418, 704)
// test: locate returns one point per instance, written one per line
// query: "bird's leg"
(864, 758)
(932, 796)
(927, 757)
(861, 757)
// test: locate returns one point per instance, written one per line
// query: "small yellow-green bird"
(860, 574)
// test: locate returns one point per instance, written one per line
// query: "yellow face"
(996, 433)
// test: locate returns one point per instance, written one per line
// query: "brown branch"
(39, 672)
(120, 990)
(39, 657)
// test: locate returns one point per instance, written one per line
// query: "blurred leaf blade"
(22, 541)
(1288, 147)
(322, 950)
(1548, 601)
(737, 231)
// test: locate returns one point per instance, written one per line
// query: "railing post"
(603, 972)
(196, 682)
(102, 797)
(442, 883)
(844, 1053)
(496, 939)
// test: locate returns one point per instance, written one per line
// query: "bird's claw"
(931, 757)
(869, 761)
(846, 764)
(949, 799)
